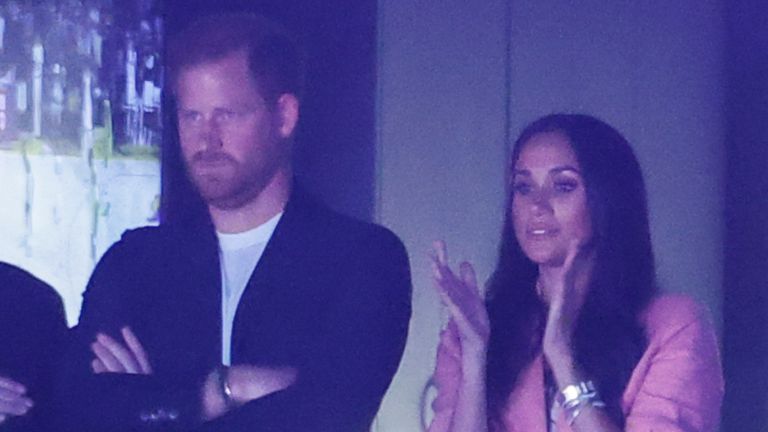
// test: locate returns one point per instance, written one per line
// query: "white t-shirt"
(239, 254)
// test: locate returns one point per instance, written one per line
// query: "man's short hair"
(274, 57)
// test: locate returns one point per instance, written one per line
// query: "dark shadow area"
(335, 143)
(745, 306)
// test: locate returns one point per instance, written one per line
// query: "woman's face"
(549, 201)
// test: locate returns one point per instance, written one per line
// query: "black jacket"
(330, 297)
(32, 336)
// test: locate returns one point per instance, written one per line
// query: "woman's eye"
(521, 188)
(566, 185)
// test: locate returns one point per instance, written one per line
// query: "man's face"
(232, 141)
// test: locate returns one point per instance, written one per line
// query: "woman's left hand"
(566, 290)
(461, 296)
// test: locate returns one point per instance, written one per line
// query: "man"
(32, 334)
(309, 308)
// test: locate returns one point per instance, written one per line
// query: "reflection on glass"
(80, 128)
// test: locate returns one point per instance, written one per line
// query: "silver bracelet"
(573, 398)
(578, 408)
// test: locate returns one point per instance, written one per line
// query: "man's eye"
(189, 116)
(226, 115)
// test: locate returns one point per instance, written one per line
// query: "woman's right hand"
(13, 399)
(461, 296)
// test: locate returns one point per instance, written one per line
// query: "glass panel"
(80, 128)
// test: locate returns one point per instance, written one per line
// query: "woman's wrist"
(474, 353)
(563, 366)
(473, 366)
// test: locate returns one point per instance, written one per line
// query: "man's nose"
(210, 134)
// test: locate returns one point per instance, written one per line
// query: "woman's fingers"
(574, 247)
(454, 294)
(441, 252)
(459, 290)
(567, 296)
(561, 284)
(467, 275)
(445, 280)
(570, 256)
(459, 293)
(442, 272)
(459, 316)
(439, 270)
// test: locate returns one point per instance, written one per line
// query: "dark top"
(330, 297)
(32, 333)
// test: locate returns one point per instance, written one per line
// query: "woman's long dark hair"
(608, 339)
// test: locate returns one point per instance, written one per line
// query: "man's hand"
(246, 383)
(116, 357)
(13, 401)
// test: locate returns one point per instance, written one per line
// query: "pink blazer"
(677, 386)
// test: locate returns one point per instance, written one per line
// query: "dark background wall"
(745, 306)
(335, 141)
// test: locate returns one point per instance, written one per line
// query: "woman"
(572, 335)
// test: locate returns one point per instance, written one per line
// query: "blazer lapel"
(270, 278)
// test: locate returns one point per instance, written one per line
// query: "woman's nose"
(540, 203)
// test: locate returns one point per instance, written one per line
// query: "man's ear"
(288, 114)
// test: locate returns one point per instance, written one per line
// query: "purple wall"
(745, 308)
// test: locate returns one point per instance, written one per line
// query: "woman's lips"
(541, 232)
